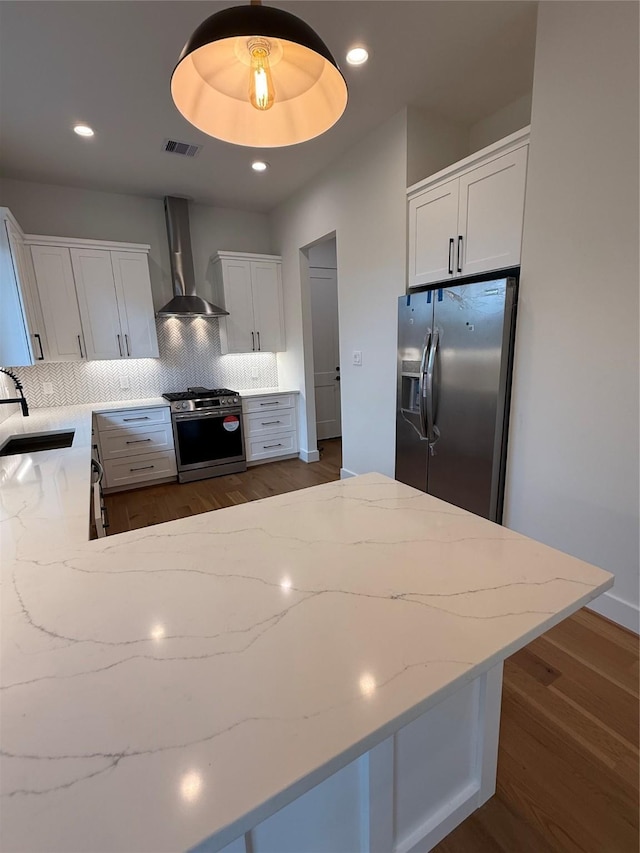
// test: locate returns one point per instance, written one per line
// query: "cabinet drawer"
(140, 469)
(269, 447)
(266, 422)
(116, 443)
(266, 404)
(132, 418)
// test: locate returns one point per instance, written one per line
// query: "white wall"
(510, 118)
(573, 460)
(432, 144)
(362, 199)
(70, 212)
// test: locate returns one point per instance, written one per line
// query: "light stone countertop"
(266, 392)
(188, 679)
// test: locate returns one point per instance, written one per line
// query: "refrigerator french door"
(455, 354)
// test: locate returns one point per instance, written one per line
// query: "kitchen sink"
(33, 442)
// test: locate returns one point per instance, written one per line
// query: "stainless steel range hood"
(186, 302)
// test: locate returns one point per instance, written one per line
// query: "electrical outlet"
(254, 376)
(357, 358)
(124, 383)
(47, 388)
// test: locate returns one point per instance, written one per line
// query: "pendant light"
(258, 76)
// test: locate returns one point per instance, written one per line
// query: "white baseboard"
(309, 455)
(345, 473)
(618, 610)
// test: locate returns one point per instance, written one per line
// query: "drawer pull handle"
(265, 446)
(139, 440)
(143, 468)
(277, 403)
(268, 423)
(144, 418)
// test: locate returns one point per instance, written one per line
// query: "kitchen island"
(315, 671)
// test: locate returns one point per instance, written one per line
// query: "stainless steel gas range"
(207, 431)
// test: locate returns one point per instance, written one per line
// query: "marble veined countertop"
(266, 392)
(187, 680)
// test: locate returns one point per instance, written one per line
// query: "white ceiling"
(109, 63)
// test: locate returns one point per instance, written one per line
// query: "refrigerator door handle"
(422, 386)
(433, 433)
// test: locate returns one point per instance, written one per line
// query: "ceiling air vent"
(183, 148)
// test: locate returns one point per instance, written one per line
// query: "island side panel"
(404, 795)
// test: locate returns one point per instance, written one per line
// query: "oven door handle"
(218, 413)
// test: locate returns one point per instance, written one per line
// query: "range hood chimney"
(185, 303)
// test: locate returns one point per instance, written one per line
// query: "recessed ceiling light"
(83, 130)
(357, 56)
(259, 166)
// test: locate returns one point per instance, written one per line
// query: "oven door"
(205, 439)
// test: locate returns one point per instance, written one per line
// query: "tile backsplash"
(189, 355)
(7, 389)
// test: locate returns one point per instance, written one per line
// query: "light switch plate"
(357, 358)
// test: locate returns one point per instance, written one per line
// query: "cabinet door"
(267, 306)
(236, 278)
(491, 213)
(96, 288)
(57, 291)
(15, 343)
(135, 305)
(433, 224)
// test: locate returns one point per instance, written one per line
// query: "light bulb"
(261, 93)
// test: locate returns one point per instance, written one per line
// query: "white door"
(96, 288)
(433, 228)
(491, 213)
(326, 351)
(236, 278)
(135, 304)
(267, 313)
(57, 291)
(23, 267)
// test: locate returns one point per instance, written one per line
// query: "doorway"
(323, 291)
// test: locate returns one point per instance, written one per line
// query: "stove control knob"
(185, 405)
(223, 402)
(236, 400)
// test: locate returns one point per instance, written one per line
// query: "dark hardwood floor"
(568, 758)
(155, 504)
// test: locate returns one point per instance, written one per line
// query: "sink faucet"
(21, 399)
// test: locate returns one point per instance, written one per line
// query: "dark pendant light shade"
(260, 77)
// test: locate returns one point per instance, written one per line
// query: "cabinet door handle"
(119, 345)
(143, 468)
(39, 339)
(253, 342)
(267, 446)
(459, 252)
(142, 418)
(268, 423)
(80, 345)
(451, 256)
(139, 440)
(126, 340)
(258, 334)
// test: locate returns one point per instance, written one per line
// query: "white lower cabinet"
(270, 427)
(136, 447)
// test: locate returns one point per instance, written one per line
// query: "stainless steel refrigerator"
(455, 354)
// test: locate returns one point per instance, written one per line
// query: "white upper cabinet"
(96, 289)
(57, 291)
(249, 287)
(96, 298)
(22, 334)
(135, 305)
(467, 219)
